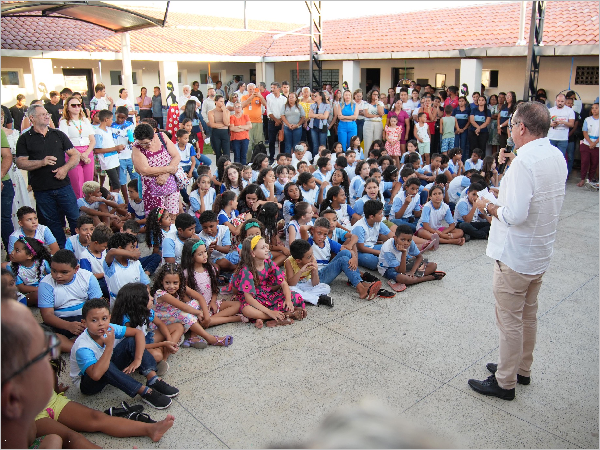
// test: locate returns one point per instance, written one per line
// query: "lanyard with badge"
(82, 140)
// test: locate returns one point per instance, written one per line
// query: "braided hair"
(41, 254)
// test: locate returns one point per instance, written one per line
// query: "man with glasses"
(27, 377)
(41, 151)
(523, 231)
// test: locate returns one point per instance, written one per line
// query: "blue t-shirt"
(87, 357)
(223, 217)
(480, 118)
(462, 117)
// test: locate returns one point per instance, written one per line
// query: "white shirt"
(530, 199)
(591, 126)
(306, 157)
(72, 129)
(561, 115)
(104, 139)
(125, 102)
(207, 105)
(181, 101)
(275, 105)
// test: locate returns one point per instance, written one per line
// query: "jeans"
(273, 130)
(477, 230)
(54, 205)
(369, 260)
(360, 124)
(461, 140)
(570, 157)
(126, 167)
(203, 160)
(145, 113)
(122, 356)
(240, 150)
(8, 193)
(337, 265)
(220, 142)
(561, 145)
(345, 131)
(151, 262)
(402, 221)
(265, 128)
(318, 139)
(292, 138)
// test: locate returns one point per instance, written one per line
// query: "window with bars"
(586, 75)
(330, 76)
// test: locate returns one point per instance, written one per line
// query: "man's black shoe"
(490, 387)
(325, 300)
(492, 367)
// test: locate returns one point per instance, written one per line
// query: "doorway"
(80, 80)
(372, 78)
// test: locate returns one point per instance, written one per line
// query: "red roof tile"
(489, 25)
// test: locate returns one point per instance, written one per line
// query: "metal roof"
(103, 14)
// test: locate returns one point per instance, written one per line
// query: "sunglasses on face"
(75, 105)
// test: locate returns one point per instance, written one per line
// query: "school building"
(442, 47)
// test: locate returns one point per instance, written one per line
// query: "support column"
(42, 72)
(470, 73)
(126, 72)
(351, 74)
(269, 75)
(168, 72)
(259, 73)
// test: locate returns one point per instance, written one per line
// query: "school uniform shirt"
(117, 276)
(369, 235)
(68, 299)
(462, 209)
(42, 233)
(359, 205)
(223, 238)
(399, 199)
(310, 196)
(480, 118)
(323, 176)
(255, 174)
(29, 275)
(86, 352)
(350, 170)
(591, 125)
(236, 190)
(186, 154)
(293, 224)
(83, 203)
(339, 235)
(462, 117)
(120, 133)
(306, 157)
(357, 186)
(456, 186)
(209, 199)
(287, 215)
(562, 116)
(390, 257)
(172, 247)
(344, 214)
(404, 159)
(452, 168)
(434, 217)
(223, 217)
(104, 139)
(470, 165)
(144, 327)
(136, 209)
(265, 190)
(279, 190)
(323, 255)
(92, 262)
(75, 246)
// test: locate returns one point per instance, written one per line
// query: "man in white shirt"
(275, 105)
(208, 105)
(187, 95)
(524, 223)
(561, 119)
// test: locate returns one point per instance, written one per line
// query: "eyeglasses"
(42, 115)
(143, 144)
(53, 348)
(75, 105)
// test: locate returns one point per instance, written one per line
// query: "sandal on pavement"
(373, 290)
(199, 343)
(140, 417)
(385, 293)
(438, 275)
(223, 341)
(369, 277)
(297, 314)
(398, 287)
(279, 323)
(124, 410)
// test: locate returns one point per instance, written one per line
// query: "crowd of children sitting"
(271, 242)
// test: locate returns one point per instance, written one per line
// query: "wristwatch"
(485, 210)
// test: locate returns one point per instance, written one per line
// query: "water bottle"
(130, 135)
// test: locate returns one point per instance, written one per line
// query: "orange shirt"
(255, 113)
(239, 135)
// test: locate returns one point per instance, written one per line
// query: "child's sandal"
(438, 275)
(373, 290)
(223, 341)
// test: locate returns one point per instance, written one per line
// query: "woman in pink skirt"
(79, 130)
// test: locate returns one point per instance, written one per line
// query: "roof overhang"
(103, 14)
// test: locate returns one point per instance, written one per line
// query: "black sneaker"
(164, 388)
(325, 300)
(369, 277)
(156, 399)
(492, 367)
(490, 387)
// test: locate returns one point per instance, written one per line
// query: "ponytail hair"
(331, 192)
(223, 200)
(300, 209)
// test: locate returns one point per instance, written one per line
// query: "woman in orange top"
(239, 125)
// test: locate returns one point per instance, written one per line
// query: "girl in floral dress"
(173, 305)
(261, 288)
(201, 277)
(393, 132)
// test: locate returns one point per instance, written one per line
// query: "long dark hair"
(263, 173)
(486, 168)
(286, 196)
(267, 214)
(223, 200)
(154, 232)
(252, 188)
(221, 165)
(345, 181)
(41, 255)
(187, 265)
(331, 192)
(257, 160)
(190, 109)
(373, 180)
(225, 179)
(132, 301)
(253, 222)
(169, 269)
